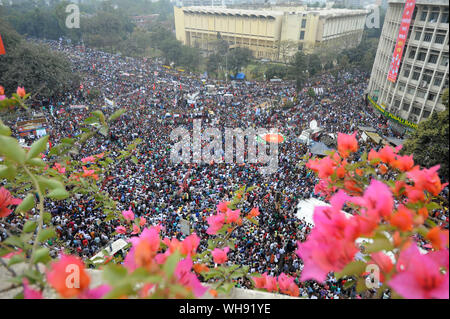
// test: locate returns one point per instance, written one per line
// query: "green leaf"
(16, 259)
(116, 114)
(171, 263)
(58, 194)
(13, 241)
(354, 268)
(29, 226)
(27, 204)
(47, 217)
(379, 243)
(38, 147)
(134, 160)
(4, 130)
(11, 149)
(8, 172)
(41, 255)
(46, 234)
(114, 274)
(36, 162)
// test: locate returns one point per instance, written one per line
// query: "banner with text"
(401, 39)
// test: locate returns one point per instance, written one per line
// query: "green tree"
(33, 66)
(297, 70)
(430, 141)
(239, 58)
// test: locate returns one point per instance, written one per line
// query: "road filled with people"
(157, 100)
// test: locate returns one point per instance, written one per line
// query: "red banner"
(401, 39)
(2, 48)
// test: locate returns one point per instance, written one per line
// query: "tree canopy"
(430, 141)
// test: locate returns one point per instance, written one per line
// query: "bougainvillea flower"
(128, 214)
(96, 293)
(440, 257)
(89, 172)
(373, 156)
(421, 278)
(271, 284)
(404, 163)
(427, 179)
(347, 144)
(232, 215)
(384, 262)
(88, 159)
(68, 276)
(220, 255)
(200, 268)
(2, 90)
(121, 230)
(222, 207)
(189, 244)
(142, 221)
(215, 223)
(438, 237)
(29, 293)
(260, 282)
(386, 155)
(254, 212)
(59, 168)
(414, 194)
(136, 230)
(284, 283)
(6, 200)
(21, 92)
(324, 167)
(402, 219)
(144, 249)
(187, 278)
(322, 254)
(377, 198)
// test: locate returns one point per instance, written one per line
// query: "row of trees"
(26, 64)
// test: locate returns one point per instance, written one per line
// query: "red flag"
(2, 48)
(153, 87)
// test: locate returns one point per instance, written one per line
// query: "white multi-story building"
(423, 72)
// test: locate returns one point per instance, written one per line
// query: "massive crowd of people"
(156, 101)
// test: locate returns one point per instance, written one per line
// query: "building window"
(412, 54)
(444, 61)
(302, 35)
(444, 17)
(426, 114)
(438, 79)
(433, 58)
(431, 97)
(439, 38)
(407, 71)
(421, 56)
(427, 37)
(405, 107)
(416, 75)
(433, 18)
(418, 35)
(401, 87)
(420, 94)
(410, 90)
(423, 16)
(303, 23)
(416, 110)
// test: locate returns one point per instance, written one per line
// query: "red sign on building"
(401, 39)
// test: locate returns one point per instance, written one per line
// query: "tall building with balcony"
(423, 69)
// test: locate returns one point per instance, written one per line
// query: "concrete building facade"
(265, 31)
(423, 72)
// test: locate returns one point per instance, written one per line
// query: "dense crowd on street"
(159, 99)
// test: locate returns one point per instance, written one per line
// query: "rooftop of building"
(273, 13)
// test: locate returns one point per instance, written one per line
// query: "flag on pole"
(2, 48)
